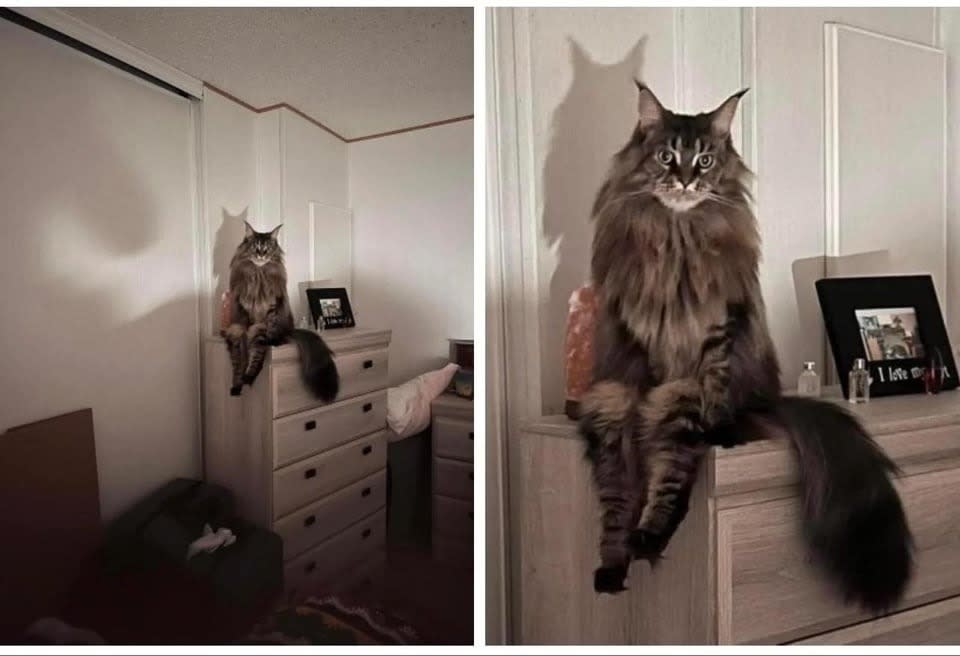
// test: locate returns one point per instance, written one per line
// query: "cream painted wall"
(576, 107)
(97, 261)
(412, 200)
(950, 41)
(788, 98)
(230, 175)
(314, 170)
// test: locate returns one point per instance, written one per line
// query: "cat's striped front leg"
(617, 492)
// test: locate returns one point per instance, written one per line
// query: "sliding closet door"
(99, 299)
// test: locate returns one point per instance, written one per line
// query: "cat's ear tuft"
(722, 117)
(275, 231)
(248, 230)
(648, 107)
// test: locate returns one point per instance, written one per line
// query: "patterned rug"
(329, 621)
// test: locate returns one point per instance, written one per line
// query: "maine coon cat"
(260, 317)
(684, 360)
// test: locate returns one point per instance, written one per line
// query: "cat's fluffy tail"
(853, 518)
(316, 364)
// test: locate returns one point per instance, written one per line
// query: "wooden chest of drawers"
(737, 571)
(452, 476)
(314, 473)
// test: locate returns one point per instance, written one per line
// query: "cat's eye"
(664, 156)
(705, 161)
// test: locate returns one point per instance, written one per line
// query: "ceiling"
(359, 71)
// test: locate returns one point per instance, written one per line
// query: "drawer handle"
(365, 534)
(312, 565)
(368, 364)
(367, 449)
(471, 436)
(366, 492)
(367, 407)
(310, 473)
(309, 520)
(310, 425)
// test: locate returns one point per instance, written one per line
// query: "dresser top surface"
(890, 414)
(452, 406)
(339, 338)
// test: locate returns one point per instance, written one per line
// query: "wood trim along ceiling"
(307, 117)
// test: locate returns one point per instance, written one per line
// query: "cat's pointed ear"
(275, 231)
(649, 108)
(248, 230)
(722, 117)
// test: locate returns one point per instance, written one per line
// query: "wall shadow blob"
(591, 123)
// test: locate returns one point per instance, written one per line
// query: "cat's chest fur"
(684, 278)
(259, 288)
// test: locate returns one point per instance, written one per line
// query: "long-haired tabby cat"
(260, 317)
(684, 360)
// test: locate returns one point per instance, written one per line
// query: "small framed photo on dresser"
(330, 307)
(895, 325)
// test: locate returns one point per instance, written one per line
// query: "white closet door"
(97, 260)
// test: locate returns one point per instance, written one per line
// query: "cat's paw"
(609, 579)
(646, 545)
(235, 390)
(716, 416)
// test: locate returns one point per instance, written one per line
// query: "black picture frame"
(330, 305)
(899, 339)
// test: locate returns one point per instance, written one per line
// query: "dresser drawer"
(306, 481)
(452, 478)
(304, 528)
(336, 557)
(453, 438)
(452, 518)
(304, 434)
(769, 592)
(360, 372)
(933, 624)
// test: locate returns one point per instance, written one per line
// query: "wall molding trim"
(307, 117)
(62, 22)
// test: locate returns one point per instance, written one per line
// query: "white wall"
(788, 98)
(577, 106)
(230, 177)
(96, 261)
(314, 170)
(412, 200)
(950, 41)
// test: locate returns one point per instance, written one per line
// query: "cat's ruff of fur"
(684, 359)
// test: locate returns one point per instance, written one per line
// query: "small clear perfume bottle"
(808, 384)
(858, 388)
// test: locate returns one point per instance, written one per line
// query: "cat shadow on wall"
(592, 122)
(229, 234)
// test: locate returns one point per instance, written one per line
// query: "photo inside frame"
(330, 308)
(890, 333)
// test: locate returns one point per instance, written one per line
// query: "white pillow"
(408, 405)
